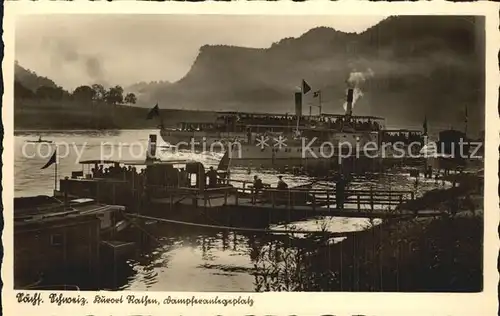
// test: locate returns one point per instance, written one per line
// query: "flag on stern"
(153, 112)
(466, 117)
(317, 94)
(51, 161)
(305, 87)
(224, 162)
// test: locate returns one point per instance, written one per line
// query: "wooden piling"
(272, 199)
(371, 199)
(328, 198)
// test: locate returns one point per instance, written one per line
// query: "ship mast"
(298, 109)
(466, 119)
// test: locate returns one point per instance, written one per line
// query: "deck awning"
(137, 162)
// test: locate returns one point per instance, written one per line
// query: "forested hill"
(422, 65)
(419, 66)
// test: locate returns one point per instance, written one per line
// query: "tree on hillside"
(30, 79)
(84, 93)
(130, 98)
(51, 93)
(115, 95)
(21, 92)
(99, 92)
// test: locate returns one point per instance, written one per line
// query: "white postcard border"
(484, 303)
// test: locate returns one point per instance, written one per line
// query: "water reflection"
(199, 259)
(190, 259)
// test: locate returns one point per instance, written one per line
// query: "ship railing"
(204, 194)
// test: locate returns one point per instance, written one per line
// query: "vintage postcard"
(250, 158)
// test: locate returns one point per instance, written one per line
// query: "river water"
(181, 259)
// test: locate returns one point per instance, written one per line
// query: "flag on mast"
(52, 160)
(155, 111)
(425, 125)
(305, 87)
(466, 118)
(317, 94)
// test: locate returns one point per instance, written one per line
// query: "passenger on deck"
(340, 192)
(281, 184)
(95, 171)
(212, 177)
(428, 174)
(183, 178)
(257, 186)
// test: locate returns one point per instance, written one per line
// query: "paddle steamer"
(271, 140)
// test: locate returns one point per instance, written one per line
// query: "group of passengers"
(115, 171)
(405, 137)
(258, 186)
(341, 182)
(356, 124)
(238, 124)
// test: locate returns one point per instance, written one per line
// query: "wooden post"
(328, 199)
(204, 199)
(289, 206)
(225, 196)
(371, 198)
(359, 201)
(272, 198)
(314, 202)
(236, 195)
(390, 199)
(412, 196)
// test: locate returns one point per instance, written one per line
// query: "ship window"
(56, 240)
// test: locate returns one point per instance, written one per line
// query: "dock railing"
(329, 199)
(352, 199)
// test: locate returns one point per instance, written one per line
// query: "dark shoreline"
(398, 255)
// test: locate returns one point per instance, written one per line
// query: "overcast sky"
(123, 49)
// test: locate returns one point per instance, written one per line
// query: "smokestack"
(350, 95)
(298, 104)
(151, 153)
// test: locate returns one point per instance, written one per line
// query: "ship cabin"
(126, 182)
(54, 237)
(241, 122)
